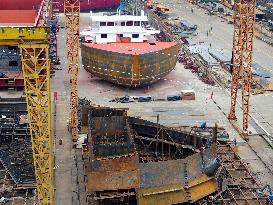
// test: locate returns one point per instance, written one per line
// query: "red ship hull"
(86, 5)
(89, 5)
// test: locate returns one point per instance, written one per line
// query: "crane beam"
(17, 35)
(72, 27)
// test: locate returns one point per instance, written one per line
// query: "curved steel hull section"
(129, 70)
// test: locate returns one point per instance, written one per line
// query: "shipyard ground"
(257, 153)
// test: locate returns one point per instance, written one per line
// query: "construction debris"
(173, 97)
(237, 185)
(125, 99)
(188, 94)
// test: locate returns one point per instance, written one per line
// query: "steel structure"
(36, 70)
(135, 155)
(236, 183)
(244, 22)
(34, 48)
(53, 24)
(72, 26)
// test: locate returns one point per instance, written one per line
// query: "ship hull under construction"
(86, 5)
(180, 167)
(130, 64)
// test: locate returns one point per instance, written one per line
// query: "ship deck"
(18, 18)
(132, 48)
(18, 13)
(20, 5)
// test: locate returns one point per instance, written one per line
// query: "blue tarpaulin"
(260, 71)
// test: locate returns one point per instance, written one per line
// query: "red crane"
(244, 23)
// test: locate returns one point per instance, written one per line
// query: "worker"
(55, 96)
(235, 142)
(266, 191)
(211, 95)
(210, 45)
(210, 199)
(192, 10)
(203, 125)
(211, 28)
(270, 197)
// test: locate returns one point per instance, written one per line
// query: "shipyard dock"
(169, 142)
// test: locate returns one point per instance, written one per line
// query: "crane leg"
(244, 22)
(36, 71)
(247, 59)
(72, 26)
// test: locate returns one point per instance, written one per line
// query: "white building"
(118, 28)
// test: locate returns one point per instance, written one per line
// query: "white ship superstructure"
(118, 28)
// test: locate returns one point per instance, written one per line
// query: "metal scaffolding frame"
(72, 27)
(237, 185)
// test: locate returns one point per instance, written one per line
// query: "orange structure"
(244, 22)
(72, 26)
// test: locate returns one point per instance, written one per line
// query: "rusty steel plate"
(116, 164)
(115, 173)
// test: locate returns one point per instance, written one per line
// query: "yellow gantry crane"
(72, 27)
(34, 48)
(244, 23)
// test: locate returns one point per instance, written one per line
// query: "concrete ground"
(65, 166)
(222, 33)
(221, 37)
